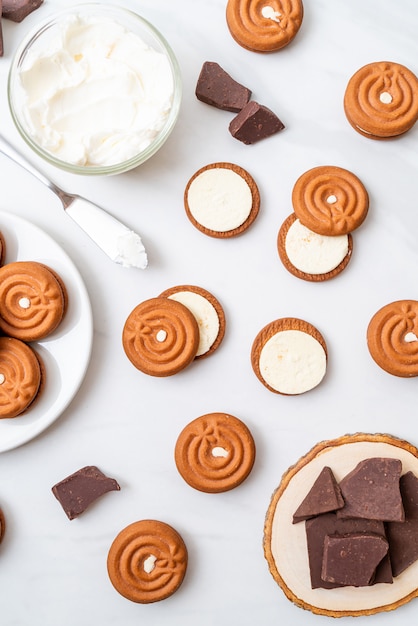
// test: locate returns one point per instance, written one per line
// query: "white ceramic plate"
(66, 352)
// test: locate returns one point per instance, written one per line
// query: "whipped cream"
(95, 93)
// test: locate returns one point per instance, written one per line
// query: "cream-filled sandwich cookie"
(311, 256)
(207, 311)
(290, 547)
(160, 337)
(222, 200)
(289, 356)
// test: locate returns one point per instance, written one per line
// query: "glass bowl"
(89, 101)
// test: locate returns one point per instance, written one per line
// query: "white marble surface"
(53, 571)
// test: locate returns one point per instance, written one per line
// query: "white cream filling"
(312, 253)
(269, 13)
(218, 451)
(292, 362)
(205, 315)
(220, 199)
(289, 546)
(24, 303)
(385, 97)
(94, 93)
(149, 563)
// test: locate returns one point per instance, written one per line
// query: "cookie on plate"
(310, 256)
(33, 300)
(381, 100)
(222, 200)
(289, 356)
(330, 200)
(264, 25)
(215, 452)
(392, 338)
(296, 554)
(160, 336)
(147, 561)
(208, 312)
(21, 376)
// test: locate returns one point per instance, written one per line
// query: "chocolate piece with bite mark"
(372, 491)
(76, 492)
(254, 122)
(217, 88)
(323, 497)
(17, 10)
(352, 559)
(317, 528)
(403, 536)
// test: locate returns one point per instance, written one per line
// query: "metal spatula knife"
(121, 244)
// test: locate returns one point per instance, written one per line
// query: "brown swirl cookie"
(215, 452)
(264, 25)
(208, 312)
(20, 376)
(330, 200)
(32, 300)
(381, 100)
(289, 356)
(222, 200)
(310, 256)
(392, 338)
(160, 336)
(147, 561)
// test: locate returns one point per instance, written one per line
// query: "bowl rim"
(110, 9)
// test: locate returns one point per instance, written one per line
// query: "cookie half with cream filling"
(208, 312)
(289, 356)
(222, 200)
(310, 256)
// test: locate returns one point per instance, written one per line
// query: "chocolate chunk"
(317, 528)
(217, 88)
(76, 492)
(403, 536)
(352, 559)
(372, 491)
(323, 497)
(403, 544)
(254, 122)
(409, 492)
(17, 10)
